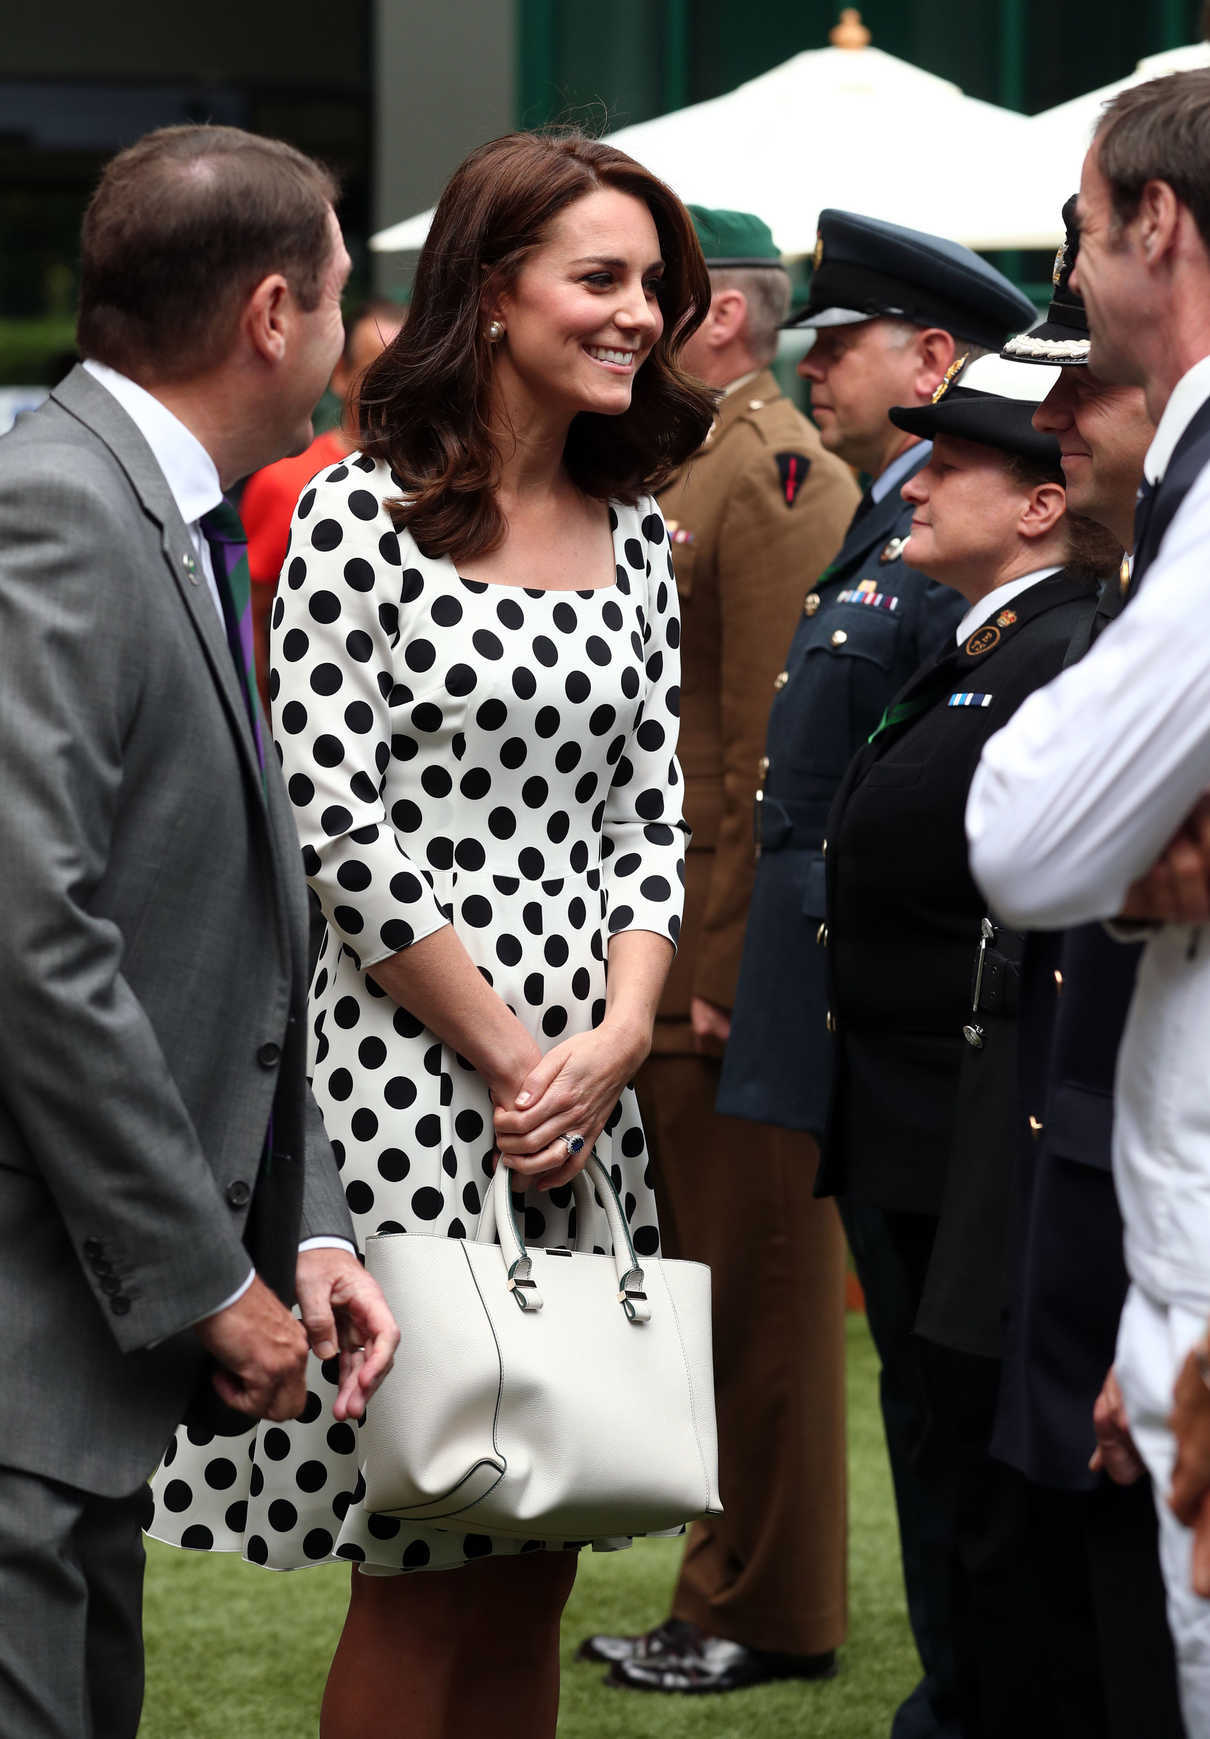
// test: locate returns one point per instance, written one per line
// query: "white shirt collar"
(987, 606)
(740, 380)
(898, 468)
(189, 471)
(1188, 396)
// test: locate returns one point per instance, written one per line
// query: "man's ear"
(727, 318)
(1044, 509)
(266, 317)
(1158, 220)
(935, 351)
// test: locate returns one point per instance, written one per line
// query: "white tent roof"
(854, 128)
(859, 129)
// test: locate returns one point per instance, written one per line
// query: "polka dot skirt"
(456, 752)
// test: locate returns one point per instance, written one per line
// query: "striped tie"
(229, 552)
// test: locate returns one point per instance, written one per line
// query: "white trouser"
(1153, 1340)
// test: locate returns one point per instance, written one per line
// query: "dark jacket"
(1067, 1277)
(846, 660)
(903, 910)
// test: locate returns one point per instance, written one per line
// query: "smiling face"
(969, 507)
(1109, 275)
(1103, 434)
(584, 312)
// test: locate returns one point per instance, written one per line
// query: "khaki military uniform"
(754, 519)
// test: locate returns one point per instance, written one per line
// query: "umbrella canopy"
(1062, 133)
(848, 127)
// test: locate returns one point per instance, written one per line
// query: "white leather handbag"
(546, 1394)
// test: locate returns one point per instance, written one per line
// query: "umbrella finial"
(850, 32)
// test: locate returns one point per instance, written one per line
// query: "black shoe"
(714, 1664)
(674, 1636)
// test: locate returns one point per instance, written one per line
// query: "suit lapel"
(871, 530)
(87, 401)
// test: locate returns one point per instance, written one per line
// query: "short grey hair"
(766, 289)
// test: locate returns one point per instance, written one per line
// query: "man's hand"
(1115, 1453)
(1189, 1498)
(261, 1352)
(1176, 890)
(344, 1312)
(711, 1027)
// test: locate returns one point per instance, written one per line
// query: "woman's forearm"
(639, 961)
(436, 980)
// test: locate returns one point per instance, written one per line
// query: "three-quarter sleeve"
(334, 690)
(645, 834)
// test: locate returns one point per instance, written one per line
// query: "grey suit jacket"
(152, 959)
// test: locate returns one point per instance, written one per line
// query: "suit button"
(811, 603)
(120, 1305)
(781, 679)
(93, 1248)
(269, 1056)
(238, 1194)
(839, 637)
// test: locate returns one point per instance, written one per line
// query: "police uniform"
(865, 628)
(752, 520)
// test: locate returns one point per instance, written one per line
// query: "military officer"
(752, 520)
(894, 311)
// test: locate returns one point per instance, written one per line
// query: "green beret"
(734, 238)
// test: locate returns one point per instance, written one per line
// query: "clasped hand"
(1176, 890)
(570, 1091)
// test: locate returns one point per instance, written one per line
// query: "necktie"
(229, 551)
(1142, 512)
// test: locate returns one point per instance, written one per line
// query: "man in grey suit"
(161, 1161)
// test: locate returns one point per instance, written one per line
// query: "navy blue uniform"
(847, 660)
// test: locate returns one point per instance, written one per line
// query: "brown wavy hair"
(425, 401)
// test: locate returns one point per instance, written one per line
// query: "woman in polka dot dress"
(475, 698)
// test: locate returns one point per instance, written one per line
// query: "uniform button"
(781, 679)
(756, 404)
(762, 766)
(811, 603)
(120, 1305)
(269, 1056)
(1058, 980)
(1035, 1128)
(821, 935)
(830, 1023)
(823, 849)
(239, 1194)
(93, 1248)
(839, 637)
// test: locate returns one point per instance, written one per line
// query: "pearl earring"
(495, 331)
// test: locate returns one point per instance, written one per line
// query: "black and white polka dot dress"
(456, 752)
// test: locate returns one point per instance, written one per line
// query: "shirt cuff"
(326, 1244)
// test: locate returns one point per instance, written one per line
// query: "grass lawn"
(235, 1650)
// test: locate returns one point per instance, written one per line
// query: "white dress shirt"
(1076, 798)
(988, 605)
(193, 480)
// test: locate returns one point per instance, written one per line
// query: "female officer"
(904, 915)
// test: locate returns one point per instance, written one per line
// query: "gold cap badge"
(1060, 266)
(817, 256)
(951, 374)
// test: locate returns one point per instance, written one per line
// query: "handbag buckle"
(633, 1299)
(519, 1288)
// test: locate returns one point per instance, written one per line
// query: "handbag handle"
(498, 1222)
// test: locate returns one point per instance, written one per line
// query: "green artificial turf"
(235, 1650)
